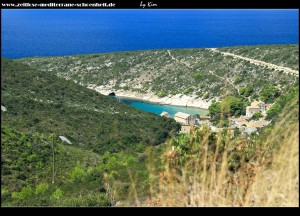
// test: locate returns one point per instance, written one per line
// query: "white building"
(256, 106)
(165, 114)
(184, 118)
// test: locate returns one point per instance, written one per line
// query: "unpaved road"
(258, 62)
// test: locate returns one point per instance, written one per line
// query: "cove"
(159, 108)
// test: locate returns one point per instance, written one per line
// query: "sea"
(159, 108)
(50, 32)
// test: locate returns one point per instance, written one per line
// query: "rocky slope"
(192, 77)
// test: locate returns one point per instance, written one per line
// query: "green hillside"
(27, 172)
(41, 102)
(200, 73)
(108, 139)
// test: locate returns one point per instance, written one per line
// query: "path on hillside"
(211, 72)
(225, 79)
(258, 62)
(183, 62)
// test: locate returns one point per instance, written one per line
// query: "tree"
(231, 106)
(269, 94)
(256, 116)
(242, 90)
(273, 111)
(214, 109)
(246, 91)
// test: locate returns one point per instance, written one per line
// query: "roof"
(267, 105)
(256, 103)
(240, 120)
(164, 113)
(252, 124)
(182, 115)
(251, 107)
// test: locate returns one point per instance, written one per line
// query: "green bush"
(234, 162)
(57, 194)
(256, 116)
(41, 188)
(197, 75)
(78, 174)
(188, 90)
(89, 200)
(237, 80)
(161, 94)
(269, 94)
(24, 194)
(206, 95)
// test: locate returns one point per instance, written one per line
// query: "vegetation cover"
(115, 159)
(41, 102)
(200, 73)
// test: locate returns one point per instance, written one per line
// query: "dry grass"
(279, 185)
(272, 179)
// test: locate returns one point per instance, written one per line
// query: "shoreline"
(175, 100)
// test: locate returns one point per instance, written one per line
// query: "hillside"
(281, 55)
(41, 102)
(199, 74)
(27, 172)
(122, 156)
(108, 139)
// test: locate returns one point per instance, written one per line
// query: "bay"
(159, 108)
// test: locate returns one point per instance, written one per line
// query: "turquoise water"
(158, 108)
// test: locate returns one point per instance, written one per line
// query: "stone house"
(184, 118)
(256, 106)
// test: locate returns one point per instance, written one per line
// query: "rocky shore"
(176, 100)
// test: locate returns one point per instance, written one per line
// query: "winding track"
(258, 62)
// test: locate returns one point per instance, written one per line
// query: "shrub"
(234, 162)
(24, 194)
(77, 175)
(238, 79)
(90, 200)
(188, 90)
(161, 94)
(57, 194)
(197, 76)
(41, 188)
(269, 94)
(256, 116)
(206, 95)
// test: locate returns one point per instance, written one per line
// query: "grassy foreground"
(224, 171)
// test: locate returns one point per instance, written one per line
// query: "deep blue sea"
(158, 108)
(28, 33)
